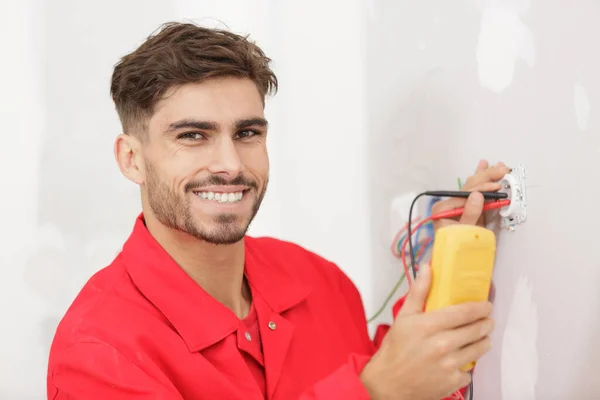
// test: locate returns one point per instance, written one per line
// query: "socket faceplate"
(514, 184)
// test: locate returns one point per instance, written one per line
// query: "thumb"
(473, 209)
(417, 295)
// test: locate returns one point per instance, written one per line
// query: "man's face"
(206, 166)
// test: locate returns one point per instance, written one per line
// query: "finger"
(465, 335)
(471, 352)
(460, 379)
(448, 204)
(481, 221)
(458, 202)
(481, 166)
(483, 187)
(417, 295)
(492, 174)
(456, 316)
(473, 209)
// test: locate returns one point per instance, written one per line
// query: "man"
(192, 308)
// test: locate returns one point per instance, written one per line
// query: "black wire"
(442, 193)
(451, 193)
(471, 387)
(409, 238)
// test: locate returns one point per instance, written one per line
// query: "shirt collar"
(198, 318)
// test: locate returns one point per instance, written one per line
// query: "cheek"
(178, 171)
(256, 161)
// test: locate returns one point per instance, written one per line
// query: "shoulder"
(107, 304)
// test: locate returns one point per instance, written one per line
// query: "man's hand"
(486, 179)
(422, 354)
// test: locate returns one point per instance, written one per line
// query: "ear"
(129, 156)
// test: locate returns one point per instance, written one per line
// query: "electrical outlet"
(399, 212)
(514, 184)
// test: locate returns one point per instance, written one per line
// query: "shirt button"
(272, 325)
(248, 337)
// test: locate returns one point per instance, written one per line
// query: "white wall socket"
(514, 184)
(399, 212)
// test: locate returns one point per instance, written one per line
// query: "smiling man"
(193, 308)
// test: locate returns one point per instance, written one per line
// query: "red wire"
(444, 215)
(423, 243)
(397, 238)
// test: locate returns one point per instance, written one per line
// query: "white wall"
(516, 81)
(22, 112)
(66, 209)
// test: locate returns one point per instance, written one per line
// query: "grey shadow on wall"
(407, 154)
(85, 209)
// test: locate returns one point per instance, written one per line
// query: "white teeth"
(222, 197)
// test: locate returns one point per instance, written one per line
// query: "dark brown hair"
(181, 53)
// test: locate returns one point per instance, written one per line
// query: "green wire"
(388, 299)
(402, 278)
(396, 286)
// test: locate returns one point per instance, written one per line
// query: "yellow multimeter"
(462, 264)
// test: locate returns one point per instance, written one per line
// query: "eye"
(191, 136)
(248, 133)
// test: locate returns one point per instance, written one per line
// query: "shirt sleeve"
(343, 384)
(357, 362)
(96, 371)
(383, 329)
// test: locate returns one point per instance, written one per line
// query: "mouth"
(222, 197)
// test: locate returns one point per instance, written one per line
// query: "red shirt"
(251, 348)
(141, 328)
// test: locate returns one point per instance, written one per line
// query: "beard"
(174, 210)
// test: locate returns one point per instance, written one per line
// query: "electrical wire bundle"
(423, 244)
(420, 247)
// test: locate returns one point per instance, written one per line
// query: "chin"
(222, 236)
(222, 229)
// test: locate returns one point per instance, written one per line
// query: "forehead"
(222, 100)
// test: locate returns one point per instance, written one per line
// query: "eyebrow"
(213, 126)
(246, 123)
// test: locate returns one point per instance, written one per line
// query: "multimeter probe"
(499, 200)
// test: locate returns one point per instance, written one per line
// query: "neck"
(218, 269)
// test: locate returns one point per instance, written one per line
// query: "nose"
(225, 158)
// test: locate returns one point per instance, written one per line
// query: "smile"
(232, 197)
